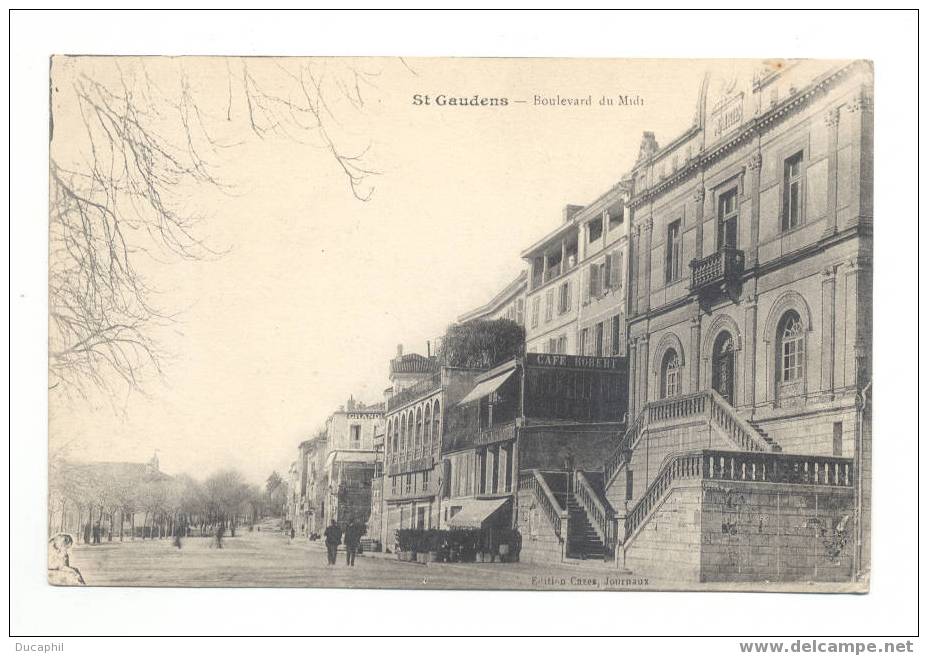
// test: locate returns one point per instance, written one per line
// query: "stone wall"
(668, 545)
(540, 545)
(747, 531)
(763, 531)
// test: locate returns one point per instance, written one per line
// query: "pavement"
(268, 559)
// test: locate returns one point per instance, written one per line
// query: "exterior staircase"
(583, 541)
(577, 509)
(769, 440)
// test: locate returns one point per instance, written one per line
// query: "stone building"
(577, 283)
(747, 456)
(415, 407)
(350, 462)
(522, 421)
(553, 282)
(509, 303)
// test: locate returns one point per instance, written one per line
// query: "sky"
(316, 288)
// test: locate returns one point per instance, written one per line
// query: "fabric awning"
(487, 387)
(366, 457)
(476, 512)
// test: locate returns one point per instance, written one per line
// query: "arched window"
(418, 427)
(396, 434)
(436, 416)
(388, 443)
(790, 349)
(427, 423)
(404, 438)
(670, 374)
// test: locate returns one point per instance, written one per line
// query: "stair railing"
(604, 520)
(739, 430)
(618, 457)
(557, 516)
(674, 468)
(747, 466)
(707, 405)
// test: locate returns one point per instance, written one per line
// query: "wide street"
(266, 559)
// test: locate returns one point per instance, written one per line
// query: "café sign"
(559, 361)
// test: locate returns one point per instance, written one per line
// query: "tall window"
(674, 267)
(584, 341)
(728, 219)
(536, 310)
(617, 334)
(670, 374)
(792, 349)
(520, 311)
(552, 345)
(616, 282)
(427, 425)
(418, 428)
(355, 436)
(594, 229)
(436, 417)
(562, 344)
(792, 188)
(563, 301)
(596, 280)
(598, 339)
(549, 305)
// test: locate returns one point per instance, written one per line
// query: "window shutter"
(607, 338)
(586, 284)
(568, 303)
(617, 269)
(607, 274)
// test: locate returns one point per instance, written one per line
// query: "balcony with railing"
(717, 270)
(420, 389)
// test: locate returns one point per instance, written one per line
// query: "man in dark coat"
(333, 538)
(352, 542)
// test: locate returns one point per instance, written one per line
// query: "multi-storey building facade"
(553, 283)
(749, 313)
(413, 437)
(509, 303)
(577, 281)
(351, 461)
(601, 323)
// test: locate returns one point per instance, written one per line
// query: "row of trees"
(114, 499)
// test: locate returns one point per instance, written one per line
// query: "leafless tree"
(133, 143)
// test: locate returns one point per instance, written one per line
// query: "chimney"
(428, 348)
(399, 350)
(569, 211)
(648, 146)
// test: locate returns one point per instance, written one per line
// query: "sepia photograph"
(287, 347)
(419, 324)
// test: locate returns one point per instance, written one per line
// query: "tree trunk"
(132, 525)
(122, 523)
(144, 524)
(64, 508)
(80, 524)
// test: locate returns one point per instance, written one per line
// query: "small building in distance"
(350, 462)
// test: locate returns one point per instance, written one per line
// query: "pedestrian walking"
(217, 540)
(292, 535)
(352, 542)
(333, 538)
(96, 533)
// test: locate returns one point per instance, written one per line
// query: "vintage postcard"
(587, 324)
